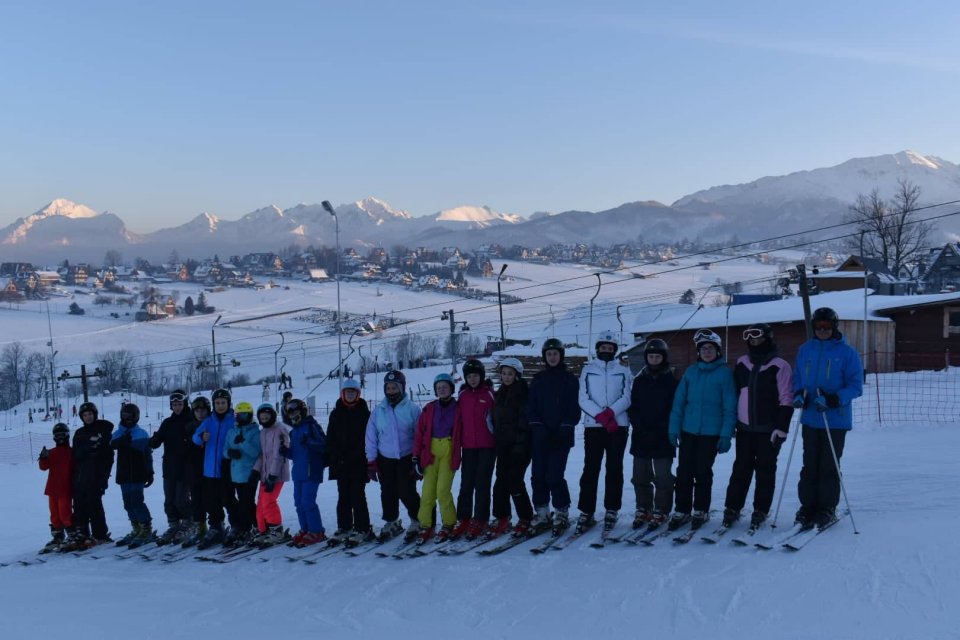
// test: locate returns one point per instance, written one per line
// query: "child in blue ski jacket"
(134, 473)
(307, 451)
(242, 450)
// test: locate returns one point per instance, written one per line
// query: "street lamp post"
(863, 339)
(276, 373)
(329, 208)
(503, 337)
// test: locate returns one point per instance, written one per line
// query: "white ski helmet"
(608, 337)
(513, 363)
(705, 336)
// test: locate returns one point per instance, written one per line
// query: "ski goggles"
(752, 334)
(177, 397)
(705, 335)
(823, 326)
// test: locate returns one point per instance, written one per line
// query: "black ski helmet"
(552, 343)
(200, 402)
(267, 408)
(396, 377)
(656, 346)
(61, 433)
(88, 406)
(129, 414)
(295, 411)
(474, 366)
(825, 314)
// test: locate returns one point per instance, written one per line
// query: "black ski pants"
(819, 485)
(352, 512)
(476, 476)
(398, 484)
(512, 466)
(176, 499)
(598, 442)
(653, 483)
(88, 515)
(695, 472)
(244, 495)
(755, 455)
(218, 494)
(197, 505)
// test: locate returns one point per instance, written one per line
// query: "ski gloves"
(416, 471)
(373, 473)
(826, 401)
(44, 453)
(235, 454)
(799, 402)
(723, 444)
(777, 437)
(270, 483)
(608, 420)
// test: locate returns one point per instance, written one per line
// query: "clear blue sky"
(160, 111)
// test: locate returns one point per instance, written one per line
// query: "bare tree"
(112, 258)
(13, 360)
(891, 230)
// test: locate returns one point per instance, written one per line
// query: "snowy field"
(895, 579)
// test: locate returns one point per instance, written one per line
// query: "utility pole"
(84, 376)
(449, 315)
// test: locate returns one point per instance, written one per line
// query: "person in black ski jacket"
(512, 433)
(200, 409)
(174, 436)
(651, 399)
(346, 437)
(764, 383)
(552, 413)
(93, 462)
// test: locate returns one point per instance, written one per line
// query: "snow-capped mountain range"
(766, 207)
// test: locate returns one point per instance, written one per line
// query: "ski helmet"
(296, 411)
(607, 337)
(88, 406)
(758, 330)
(129, 414)
(61, 433)
(267, 408)
(244, 412)
(656, 346)
(200, 402)
(396, 377)
(513, 363)
(350, 383)
(444, 377)
(222, 393)
(705, 336)
(177, 396)
(474, 366)
(552, 343)
(825, 314)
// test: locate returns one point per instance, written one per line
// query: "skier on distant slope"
(651, 399)
(827, 378)
(173, 436)
(604, 399)
(552, 413)
(701, 424)
(764, 383)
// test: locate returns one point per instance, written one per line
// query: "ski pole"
(786, 473)
(836, 462)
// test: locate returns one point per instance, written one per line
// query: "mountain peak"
(65, 208)
(481, 215)
(380, 209)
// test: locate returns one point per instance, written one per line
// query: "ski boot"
(804, 517)
(412, 532)
(55, 542)
(213, 536)
(274, 535)
(311, 538)
(824, 518)
(338, 537)
(170, 535)
(730, 517)
(678, 520)
(542, 521)
(193, 535)
(561, 521)
(656, 519)
(610, 519)
(446, 531)
(698, 519)
(424, 535)
(146, 536)
(358, 537)
(130, 537)
(584, 522)
(460, 529)
(75, 541)
(521, 529)
(497, 527)
(474, 530)
(390, 530)
(757, 519)
(641, 518)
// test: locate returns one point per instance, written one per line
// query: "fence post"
(30, 441)
(876, 378)
(946, 359)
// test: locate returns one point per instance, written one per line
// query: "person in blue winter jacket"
(389, 449)
(827, 377)
(242, 451)
(134, 473)
(217, 485)
(702, 420)
(552, 413)
(307, 451)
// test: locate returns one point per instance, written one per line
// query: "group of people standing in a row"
(217, 458)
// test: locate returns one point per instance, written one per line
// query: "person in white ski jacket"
(604, 399)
